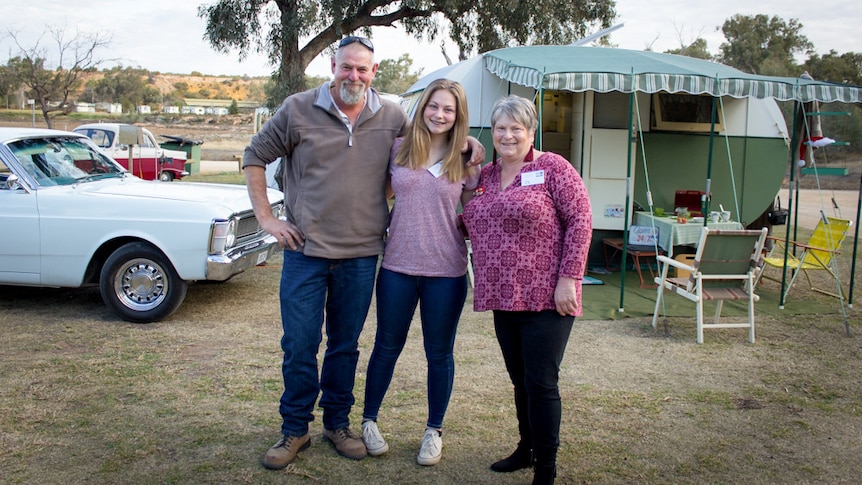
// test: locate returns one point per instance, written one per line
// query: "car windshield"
(63, 160)
(103, 138)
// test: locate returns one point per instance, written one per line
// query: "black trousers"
(533, 344)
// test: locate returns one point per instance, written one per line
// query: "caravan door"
(606, 157)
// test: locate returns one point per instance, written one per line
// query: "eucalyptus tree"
(759, 44)
(394, 76)
(291, 33)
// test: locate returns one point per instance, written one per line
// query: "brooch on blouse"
(479, 191)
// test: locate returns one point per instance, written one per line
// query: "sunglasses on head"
(350, 39)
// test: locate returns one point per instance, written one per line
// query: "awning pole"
(793, 150)
(628, 202)
(704, 202)
(855, 245)
(538, 143)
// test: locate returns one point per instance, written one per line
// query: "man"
(335, 142)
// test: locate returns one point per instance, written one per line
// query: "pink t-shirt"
(528, 235)
(424, 239)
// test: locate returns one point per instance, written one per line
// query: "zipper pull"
(350, 140)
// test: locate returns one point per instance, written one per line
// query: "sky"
(167, 35)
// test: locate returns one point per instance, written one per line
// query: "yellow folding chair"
(818, 254)
(725, 267)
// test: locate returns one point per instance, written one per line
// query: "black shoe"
(544, 474)
(520, 459)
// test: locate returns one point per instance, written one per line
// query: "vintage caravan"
(663, 139)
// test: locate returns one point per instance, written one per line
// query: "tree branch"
(363, 19)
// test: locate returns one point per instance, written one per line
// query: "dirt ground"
(194, 399)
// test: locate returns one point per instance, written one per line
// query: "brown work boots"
(284, 452)
(347, 443)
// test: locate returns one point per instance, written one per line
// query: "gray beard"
(348, 97)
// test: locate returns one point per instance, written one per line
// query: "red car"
(149, 161)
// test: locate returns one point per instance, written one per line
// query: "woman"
(530, 226)
(425, 260)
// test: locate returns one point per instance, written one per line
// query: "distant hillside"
(214, 87)
(240, 88)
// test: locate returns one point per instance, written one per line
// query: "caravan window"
(611, 110)
(683, 112)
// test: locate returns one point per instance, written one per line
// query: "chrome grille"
(247, 228)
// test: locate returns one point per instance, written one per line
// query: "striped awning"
(575, 68)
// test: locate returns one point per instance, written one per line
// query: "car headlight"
(223, 236)
(279, 211)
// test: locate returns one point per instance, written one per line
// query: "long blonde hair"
(415, 150)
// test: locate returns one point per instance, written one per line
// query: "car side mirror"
(12, 182)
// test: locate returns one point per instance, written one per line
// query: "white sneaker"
(432, 447)
(374, 442)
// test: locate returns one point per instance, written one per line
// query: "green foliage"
(847, 69)
(182, 88)
(491, 24)
(760, 45)
(769, 46)
(844, 68)
(313, 81)
(483, 25)
(234, 108)
(394, 76)
(9, 82)
(127, 86)
(842, 129)
(275, 92)
(697, 49)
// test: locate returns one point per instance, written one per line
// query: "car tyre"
(166, 176)
(140, 284)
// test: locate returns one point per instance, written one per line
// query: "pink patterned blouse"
(528, 235)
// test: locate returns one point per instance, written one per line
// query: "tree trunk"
(290, 77)
(49, 121)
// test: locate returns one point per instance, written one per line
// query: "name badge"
(436, 169)
(532, 178)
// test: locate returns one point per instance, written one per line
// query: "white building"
(113, 108)
(214, 110)
(193, 110)
(84, 107)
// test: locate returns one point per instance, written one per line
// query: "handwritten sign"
(643, 235)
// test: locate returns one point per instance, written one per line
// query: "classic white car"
(71, 216)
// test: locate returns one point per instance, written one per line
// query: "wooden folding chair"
(724, 267)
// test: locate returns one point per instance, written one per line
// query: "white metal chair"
(725, 267)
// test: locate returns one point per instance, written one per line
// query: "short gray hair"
(521, 110)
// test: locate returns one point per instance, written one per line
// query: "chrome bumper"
(220, 267)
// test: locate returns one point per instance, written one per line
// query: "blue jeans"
(533, 344)
(442, 300)
(343, 288)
